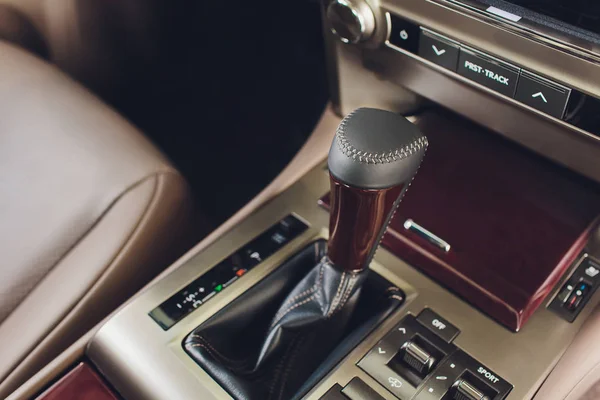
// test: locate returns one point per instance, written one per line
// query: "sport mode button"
(488, 71)
(438, 325)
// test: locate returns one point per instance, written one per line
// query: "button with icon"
(403, 34)
(439, 50)
(542, 94)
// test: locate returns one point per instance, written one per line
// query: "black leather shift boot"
(268, 343)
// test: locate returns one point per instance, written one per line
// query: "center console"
(442, 340)
(469, 286)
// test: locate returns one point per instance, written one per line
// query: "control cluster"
(417, 360)
(578, 289)
(501, 76)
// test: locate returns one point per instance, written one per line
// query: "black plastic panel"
(226, 272)
(578, 289)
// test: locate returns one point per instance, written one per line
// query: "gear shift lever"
(374, 156)
(278, 338)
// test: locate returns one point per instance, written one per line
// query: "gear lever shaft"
(373, 158)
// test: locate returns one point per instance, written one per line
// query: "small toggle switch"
(468, 391)
(417, 357)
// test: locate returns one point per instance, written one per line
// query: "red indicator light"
(240, 272)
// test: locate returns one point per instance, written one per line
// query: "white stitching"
(314, 288)
(292, 308)
(336, 298)
(347, 293)
(400, 153)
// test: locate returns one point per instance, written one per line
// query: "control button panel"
(227, 271)
(404, 34)
(358, 390)
(404, 358)
(498, 75)
(414, 362)
(488, 71)
(575, 293)
(438, 325)
(462, 377)
(542, 94)
(438, 49)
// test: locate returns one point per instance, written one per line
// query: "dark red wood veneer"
(81, 383)
(352, 240)
(515, 221)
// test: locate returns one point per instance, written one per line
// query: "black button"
(542, 94)
(335, 393)
(488, 71)
(481, 373)
(375, 364)
(441, 381)
(358, 390)
(438, 325)
(565, 292)
(438, 50)
(404, 34)
(590, 270)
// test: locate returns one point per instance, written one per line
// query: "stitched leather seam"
(219, 354)
(289, 366)
(364, 157)
(396, 209)
(293, 308)
(216, 356)
(279, 368)
(338, 293)
(346, 296)
(315, 288)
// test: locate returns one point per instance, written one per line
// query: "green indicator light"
(218, 288)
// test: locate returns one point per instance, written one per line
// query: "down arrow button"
(438, 50)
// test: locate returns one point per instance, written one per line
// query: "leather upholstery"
(90, 211)
(85, 38)
(268, 342)
(577, 374)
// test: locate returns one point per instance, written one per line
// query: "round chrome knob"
(352, 21)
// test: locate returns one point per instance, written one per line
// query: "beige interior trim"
(310, 155)
(116, 249)
(579, 368)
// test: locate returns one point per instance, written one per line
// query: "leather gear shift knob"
(373, 158)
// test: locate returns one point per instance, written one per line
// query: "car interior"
(311, 199)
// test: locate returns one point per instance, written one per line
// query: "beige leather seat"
(89, 212)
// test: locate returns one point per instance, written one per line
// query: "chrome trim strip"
(417, 229)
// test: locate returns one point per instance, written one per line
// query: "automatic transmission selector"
(297, 322)
(374, 156)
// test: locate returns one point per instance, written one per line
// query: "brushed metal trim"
(555, 38)
(144, 362)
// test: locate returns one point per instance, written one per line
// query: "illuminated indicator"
(240, 272)
(218, 288)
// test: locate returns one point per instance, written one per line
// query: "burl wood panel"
(81, 383)
(515, 221)
(352, 240)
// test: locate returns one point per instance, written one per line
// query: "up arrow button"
(542, 94)
(438, 49)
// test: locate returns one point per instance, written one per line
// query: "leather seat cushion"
(71, 167)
